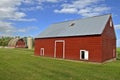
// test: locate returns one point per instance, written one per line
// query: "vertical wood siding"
(73, 45)
(100, 47)
(108, 42)
(20, 44)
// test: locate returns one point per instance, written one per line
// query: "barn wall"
(73, 45)
(108, 42)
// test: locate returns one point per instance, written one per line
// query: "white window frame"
(110, 23)
(63, 41)
(86, 55)
(41, 50)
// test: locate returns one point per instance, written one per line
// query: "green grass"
(118, 51)
(20, 64)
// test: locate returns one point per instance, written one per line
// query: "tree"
(4, 41)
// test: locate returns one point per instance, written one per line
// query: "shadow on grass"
(25, 49)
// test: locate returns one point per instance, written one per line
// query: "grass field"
(20, 64)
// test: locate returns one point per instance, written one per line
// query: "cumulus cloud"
(9, 12)
(31, 8)
(27, 29)
(6, 27)
(118, 43)
(9, 9)
(39, 1)
(12, 10)
(52, 1)
(37, 4)
(66, 10)
(117, 26)
(26, 20)
(85, 8)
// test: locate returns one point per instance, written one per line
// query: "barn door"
(59, 49)
(42, 51)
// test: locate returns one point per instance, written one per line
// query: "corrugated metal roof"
(79, 27)
(13, 42)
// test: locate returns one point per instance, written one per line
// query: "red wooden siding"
(20, 43)
(100, 47)
(73, 45)
(108, 42)
(59, 50)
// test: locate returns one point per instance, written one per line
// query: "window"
(72, 24)
(110, 23)
(84, 55)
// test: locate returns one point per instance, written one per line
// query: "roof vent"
(72, 24)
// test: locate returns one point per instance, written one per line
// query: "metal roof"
(13, 42)
(80, 27)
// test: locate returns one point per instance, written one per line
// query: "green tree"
(4, 41)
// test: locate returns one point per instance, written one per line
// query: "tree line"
(5, 40)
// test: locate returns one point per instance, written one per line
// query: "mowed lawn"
(21, 64)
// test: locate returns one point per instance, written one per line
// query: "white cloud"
(27, 20)
(85, 8)
(118, 43)
(36, 4)
(6, 27)
(32, 8)
(117, 26)
(66, 10)
(39, 1)
(52, 1)
(27, 29)
(28, 1)
(10, 11)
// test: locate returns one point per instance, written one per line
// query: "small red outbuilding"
(91, 39)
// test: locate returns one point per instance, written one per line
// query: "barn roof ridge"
(81, 18)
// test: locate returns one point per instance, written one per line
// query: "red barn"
(17, 43)
(20, 44)
(91, 39)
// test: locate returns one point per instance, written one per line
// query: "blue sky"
(30, 17)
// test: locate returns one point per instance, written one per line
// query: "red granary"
(91, 39)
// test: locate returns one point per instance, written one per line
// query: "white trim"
(63, 48)
(114, 53)
(86, 55)
(110, 23)
(41, 51)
